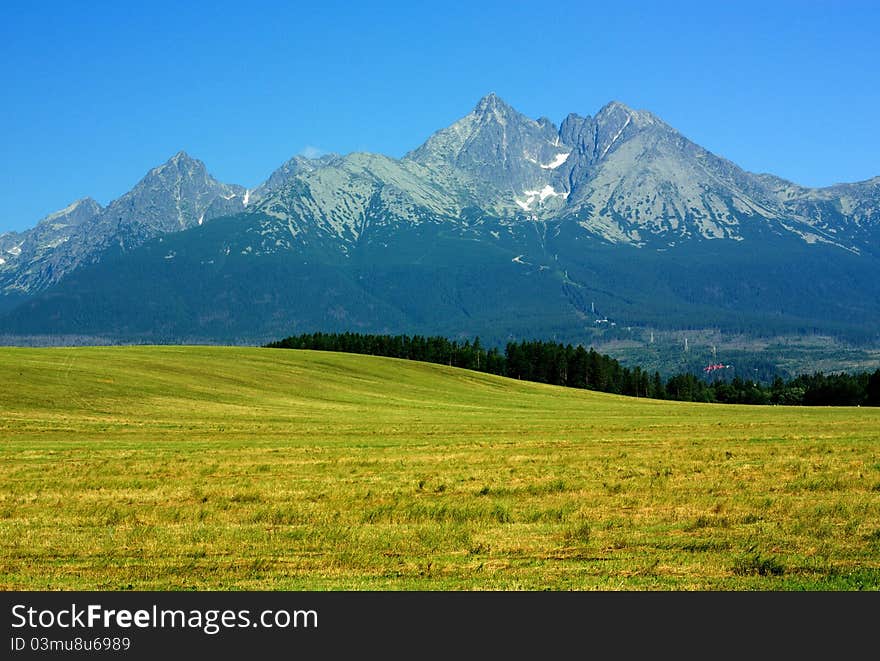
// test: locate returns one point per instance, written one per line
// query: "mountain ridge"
(589, 139)
(173, 196)
(554, 218)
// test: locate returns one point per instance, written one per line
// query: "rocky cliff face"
(497, 159)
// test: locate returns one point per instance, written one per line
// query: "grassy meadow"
(214, 468)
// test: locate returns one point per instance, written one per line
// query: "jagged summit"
(488, 102)
(492, 104)
(615, 110)
(174, 196)
(495, 157)
(178, 194)
(288, 171)
(75, 212)
(614, 104)
(180, 161)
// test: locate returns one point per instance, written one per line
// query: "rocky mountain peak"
(491, 104)
(595, 139)
(615, 114)
(174, 196)
(74, 213)
(288, 171)
(493, 110)
(614, 106)
(502, 152)
(181, 162)
(89, 203)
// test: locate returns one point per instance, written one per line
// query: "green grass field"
(180, 468)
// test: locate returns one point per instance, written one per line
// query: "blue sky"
(95, 94)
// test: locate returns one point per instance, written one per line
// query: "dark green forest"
(578, 367)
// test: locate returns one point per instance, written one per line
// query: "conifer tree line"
(577, 367)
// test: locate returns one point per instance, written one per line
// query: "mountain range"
(499, 225)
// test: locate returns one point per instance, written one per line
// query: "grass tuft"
(754, 564)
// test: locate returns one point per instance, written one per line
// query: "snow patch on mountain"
(540, 196)
(559, 160)
(617, 135)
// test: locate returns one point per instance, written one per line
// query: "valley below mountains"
(610, 228)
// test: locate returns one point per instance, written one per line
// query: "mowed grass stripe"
(245, 468)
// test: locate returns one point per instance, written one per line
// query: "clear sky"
(94, 94)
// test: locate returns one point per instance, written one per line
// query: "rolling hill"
(178, 468)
